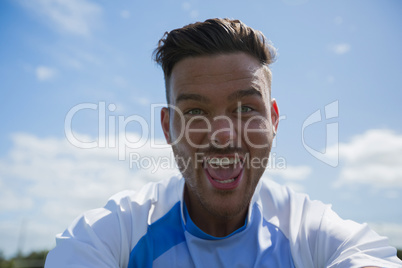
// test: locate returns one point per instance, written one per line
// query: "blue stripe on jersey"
(162, 235)
(167, 244)
(261, 244)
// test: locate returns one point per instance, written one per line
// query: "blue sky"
(58, 54)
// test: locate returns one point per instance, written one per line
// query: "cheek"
(188, 136)
(177, 127)
(256, 134)
(196, 132)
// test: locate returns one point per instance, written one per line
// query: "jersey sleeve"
(344, 243)
(99, 238)
(91, 241)
(104, 237)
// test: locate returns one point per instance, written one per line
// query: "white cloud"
(120, 81)
(193, 13)
(144, 101)
(186, 6)
(338, 20)
(373, 158)
(391, 194)
(48, 182)
(11, 200)
(391, 230)
(330, 79)
(75, 57)
(293, 173)
(44, 73)
(125, 14)
(77, 17)
(340, 49)
(295, 2)
(141, 100)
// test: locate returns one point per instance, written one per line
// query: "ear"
(165, 122)
(274, 115)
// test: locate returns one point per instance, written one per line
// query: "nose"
(223, 132)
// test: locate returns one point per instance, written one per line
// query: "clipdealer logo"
(112, 130)
(331, 110)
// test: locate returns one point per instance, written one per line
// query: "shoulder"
(288, 209)
(145, 206)
(296, 216)
(134, 210)
(164, 194)
(108, 234)
(318, 236)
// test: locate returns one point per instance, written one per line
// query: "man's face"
(220, 125)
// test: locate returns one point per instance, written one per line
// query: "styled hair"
(214, 36)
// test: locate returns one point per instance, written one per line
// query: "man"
(220, 122)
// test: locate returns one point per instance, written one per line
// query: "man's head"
(212, 37)
(221, 119)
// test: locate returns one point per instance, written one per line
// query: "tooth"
(226, 181)
(223, 161)
(214, 161)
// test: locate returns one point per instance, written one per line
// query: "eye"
(243, 109)
(195, 111)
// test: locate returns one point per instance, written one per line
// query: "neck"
(212, 224)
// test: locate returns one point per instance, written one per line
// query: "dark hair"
(214, 36)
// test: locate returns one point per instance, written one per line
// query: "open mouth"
(224, 172)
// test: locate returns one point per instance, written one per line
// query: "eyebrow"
(192, 96)
(244, 93)
(234, 96)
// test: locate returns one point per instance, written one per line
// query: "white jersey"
(151, 228)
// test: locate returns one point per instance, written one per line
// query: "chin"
(226, 205)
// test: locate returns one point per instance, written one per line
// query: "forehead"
(220, 73)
